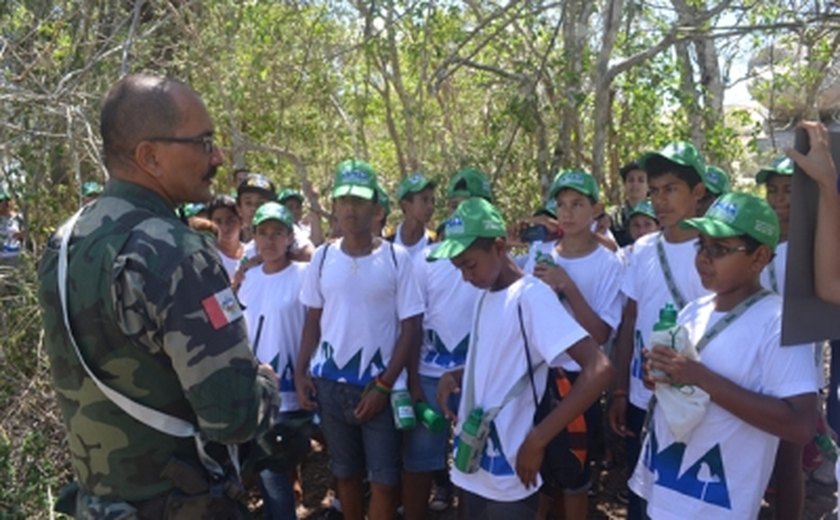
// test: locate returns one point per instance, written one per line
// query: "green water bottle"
(469, 443)
(431, 419)
(404, 418)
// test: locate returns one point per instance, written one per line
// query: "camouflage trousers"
(173, 505)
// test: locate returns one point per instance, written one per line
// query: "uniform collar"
(139, 196)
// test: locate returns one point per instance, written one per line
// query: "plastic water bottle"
(667, 333)
(469, 442)
(404, 418)
(431, 419)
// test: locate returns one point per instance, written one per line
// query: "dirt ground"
(820, 499)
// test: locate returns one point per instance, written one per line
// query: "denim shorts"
(353, 446)
(424, 450)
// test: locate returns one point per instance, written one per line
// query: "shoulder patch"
(221, 308)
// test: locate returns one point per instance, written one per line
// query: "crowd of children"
(382, 336)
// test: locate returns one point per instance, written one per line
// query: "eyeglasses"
(206, 141)
(716, 251)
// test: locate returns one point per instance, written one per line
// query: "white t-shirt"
(276, 298)
(499, 362)
(415, 249)
(644, 282)
(722, 468)
(230, 264)
(301, 238)
(363, 301)
(598, 278)
(777, 267)
(449, 303)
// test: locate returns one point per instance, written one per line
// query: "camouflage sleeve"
(190, 313)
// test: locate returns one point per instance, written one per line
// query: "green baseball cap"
(91, 188)
(645, 208)
(474, 218)
(549, 208)
(382, 199)
(413, 184)
(716, 180)
(679, 152)
(780, 166)
(355, 178)
(273, 211)
(289, 193)
(191, 209)
(577, 180)
(734, 214)
(469, 182)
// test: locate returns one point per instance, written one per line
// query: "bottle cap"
(667, 317)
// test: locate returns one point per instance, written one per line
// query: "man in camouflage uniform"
(151, 310)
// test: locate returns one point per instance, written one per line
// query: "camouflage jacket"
(151, 311)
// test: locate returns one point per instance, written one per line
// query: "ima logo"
(704, 480)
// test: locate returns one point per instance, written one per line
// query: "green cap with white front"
(412, 184)
(289, 193)
(382, 199)
(735, 214)
(716, 180)
(645, 208)
(577, 180)
(780, 166)
(273, 211)
(469, 182)
(354, 178)
(679, 152)
(475, 218)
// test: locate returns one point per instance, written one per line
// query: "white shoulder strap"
(160, 421)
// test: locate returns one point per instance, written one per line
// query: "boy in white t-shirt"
(642, 221)
(587, 277)
(362, 322)
(759, 390)
(675, 178)
(274, 315)
(449, 302)
(514, 312)
(303, 246)
(416, 196)
(224, 213)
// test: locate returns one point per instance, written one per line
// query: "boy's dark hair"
(462, 185)
(627, 168)
(750, 243)
(658, 166)
(220, 202)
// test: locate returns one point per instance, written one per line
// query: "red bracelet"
(381, 386)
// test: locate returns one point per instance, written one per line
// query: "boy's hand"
(305, 389)
(529, 459)
(415, 390)
(679, 369)
(370, 406)
(818, 163)
(447, 386)
(555, 276)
